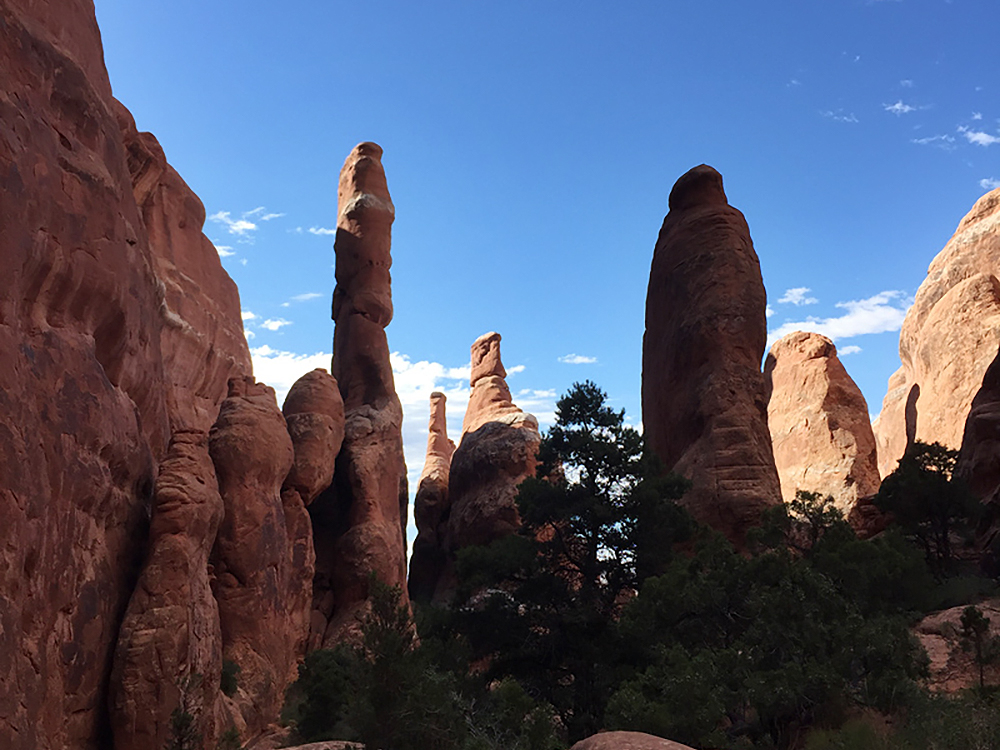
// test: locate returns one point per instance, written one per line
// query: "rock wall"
(703, 404)
(431, 506)
(948, 339)
(820, 429)
(359, 522)
(978, 462)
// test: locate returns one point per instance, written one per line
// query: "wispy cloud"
(321, 230)
(224, 251)
(839, 115)
(849, 349)
(947, 142)
(247, 315)
(577, 359)
(273, 324)
(906, 83)
(977, 115)
(899, 108)
(877, 314)
(268, 217)
(240, 227)
(978, 137)
(989, 183)
(768, 311)
(306, 296)
(797, 296)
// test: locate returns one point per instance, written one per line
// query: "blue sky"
(530, 149)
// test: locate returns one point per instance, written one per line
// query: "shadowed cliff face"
(948, 339)
(703, 406)
(359, 522)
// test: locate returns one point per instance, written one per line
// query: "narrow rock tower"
(358, 522)
(703, 405)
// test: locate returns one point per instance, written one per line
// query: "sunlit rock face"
(979, 458)
(359, 523)
(819, 423)
(948, 339)
(431, 506)
(627, 741)
(703, 404)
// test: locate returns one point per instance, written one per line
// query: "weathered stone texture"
(703, 405)
(627, 741)
(820, 429)
(948, 339)
(359, 522)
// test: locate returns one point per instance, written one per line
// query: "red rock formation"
(202, 337)
(254, 551)
(431, 506)
(497, 451)
(952, 668)
(819, 423)
(314, 414)
(171, 629)
(703, 405)
(358, 523)
(627, 741)
(947, 341)
(81, 405)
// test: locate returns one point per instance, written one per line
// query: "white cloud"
(248, 334)
(273, 324)
(240, 227)
(306, 296)
(882, 312)
(224, 251)
(268, 217)
(839, 116)
(941, 141)
(898, 108)
(515, 369)
(906, 83)
(254, 212)
(243, 261)
(989, 183)
(977, 115)
(247, 315)
(577, 359)
(768, 311)
(849, 349)
(321, 230)
(797, 296)
(281, 369)
(978, 137)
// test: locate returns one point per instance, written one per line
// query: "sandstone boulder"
(952, 668)
(497, 451)
(359, 523)
(253, 556)
(948, 339)
(82, 410)
(703, 404)
(314, 414)
(627, 741)
(170, 644)
(820, 429)
(431, 507)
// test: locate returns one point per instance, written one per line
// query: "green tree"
(976, 637)
(184, 734)
(929, 503)
(541, 603)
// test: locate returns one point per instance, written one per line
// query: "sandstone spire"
(497, 451)
(430, 506)
(820, 429)
(359, 522)
(947, 341)
(703, 403)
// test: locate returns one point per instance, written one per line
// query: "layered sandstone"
(703, 404)
(430, 506)
(170, 645)
(82, 412)
(497, 451)
(359, 522)
(202, 337)
(979, 458)
(820, 430)
(948, 339)
(253, 558)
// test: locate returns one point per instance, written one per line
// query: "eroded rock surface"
(703, 404)
(627, 741)
(171, 630)
(820, 429)
(948, 339)
(359, 522)
(497, 451)
(979, 458)
(254, 551)
(953, 668)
